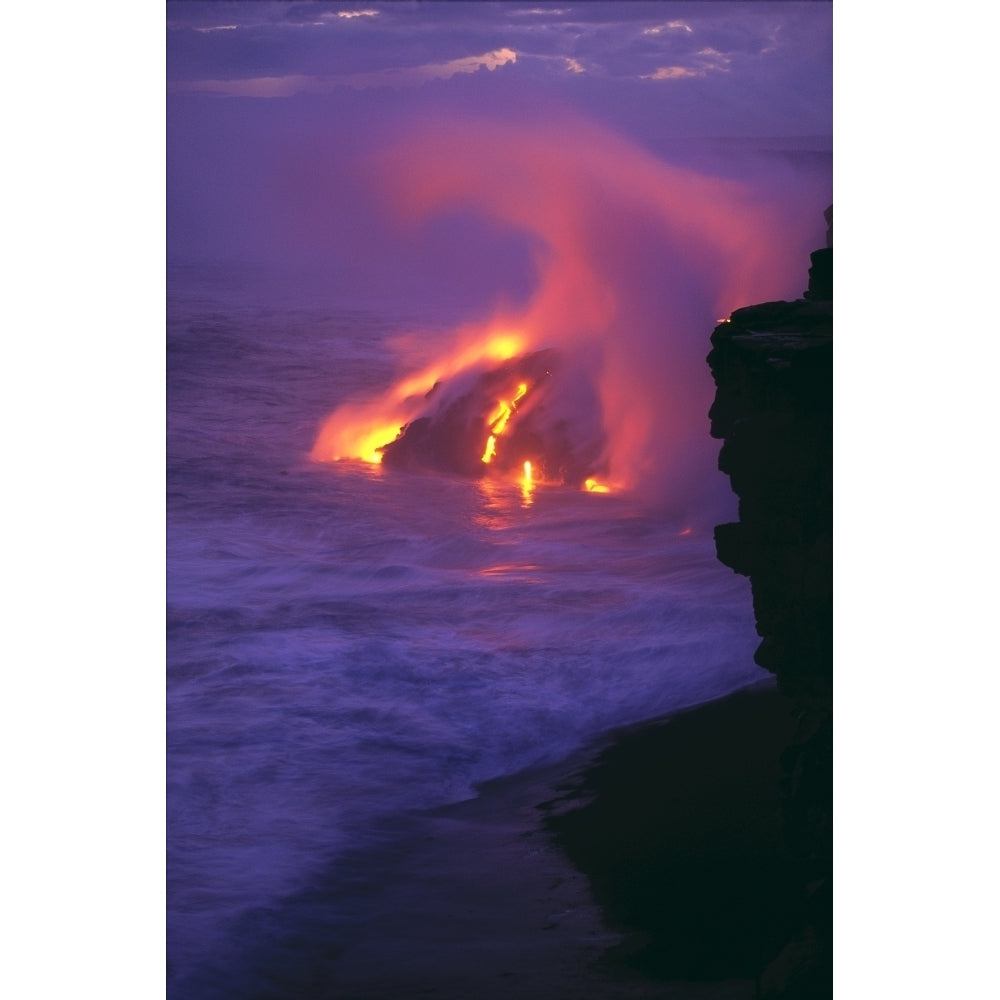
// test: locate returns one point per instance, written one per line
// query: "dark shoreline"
(681, 840)
(648, 864)
(571, 882)
(642, 866)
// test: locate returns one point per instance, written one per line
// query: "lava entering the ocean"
(504, 422)
(598, 375)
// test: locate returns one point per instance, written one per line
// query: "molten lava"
(505, 422)
(360, 430)
(498, 421)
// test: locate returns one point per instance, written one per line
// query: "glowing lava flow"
(360, 430)
(497, 421)
(490, 421)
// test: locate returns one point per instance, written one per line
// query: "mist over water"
(347, 641)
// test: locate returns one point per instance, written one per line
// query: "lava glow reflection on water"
(527, 485)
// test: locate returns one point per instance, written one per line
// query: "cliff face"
(772, 365)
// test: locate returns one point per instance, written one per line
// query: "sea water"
(347, 642)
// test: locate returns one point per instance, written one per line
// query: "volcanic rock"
(772, 364)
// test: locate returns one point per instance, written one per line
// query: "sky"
(708, 68)
(275, 112)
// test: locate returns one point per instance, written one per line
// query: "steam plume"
(636, 260)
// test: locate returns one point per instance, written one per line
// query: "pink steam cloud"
(636, 259)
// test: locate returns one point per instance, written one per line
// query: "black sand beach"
(652, 869)
(682, 841)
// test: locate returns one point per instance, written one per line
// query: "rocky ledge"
(772, 365)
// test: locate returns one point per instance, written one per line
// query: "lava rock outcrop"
(772, 364)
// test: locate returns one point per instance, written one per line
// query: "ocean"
(347, 642)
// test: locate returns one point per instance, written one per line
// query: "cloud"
(394, 77)
(305, 17)
(258, 86)
(491, 60)
(714, 59)
(610, 56)
(669, 26)
(672, 73)
(709, 59)
(209, 15)
(327, 46)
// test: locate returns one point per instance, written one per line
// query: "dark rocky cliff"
(772, 365)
